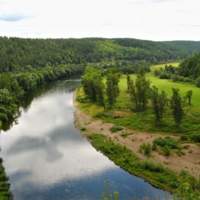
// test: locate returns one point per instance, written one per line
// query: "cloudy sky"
(142, 19)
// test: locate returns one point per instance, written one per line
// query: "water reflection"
(46, 157)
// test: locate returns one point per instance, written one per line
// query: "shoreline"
(189, 162)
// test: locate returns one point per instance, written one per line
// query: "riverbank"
(189, 162)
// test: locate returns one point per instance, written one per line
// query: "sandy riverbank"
(189, 162)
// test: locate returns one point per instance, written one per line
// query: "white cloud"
(145, 19)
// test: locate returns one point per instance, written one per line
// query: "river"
(46, 157)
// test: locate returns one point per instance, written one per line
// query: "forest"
(27, 63)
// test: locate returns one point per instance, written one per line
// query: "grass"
(121, 114)
(116, 128)
(156, 174)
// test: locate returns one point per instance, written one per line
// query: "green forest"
(26, 64)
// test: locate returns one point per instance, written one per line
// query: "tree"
(158, 103)
(128, 78)
(93, 85)
(112, 89)
(90, 81)
(139, 92)
(177, 107)
(189, 96)
(99, 87)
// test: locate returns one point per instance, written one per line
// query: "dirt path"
(189, 162)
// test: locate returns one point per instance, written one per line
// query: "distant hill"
(17, 54)
(190, 46)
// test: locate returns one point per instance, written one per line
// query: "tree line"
(15, 86)
(187, 71)
(18, 53)
(106, 92)
(140, 92)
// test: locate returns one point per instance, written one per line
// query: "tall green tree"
(177, 107)
(189, 96)
(112, 88)
(93, 85)
(159, 102)
(128, 79)
(139, 92)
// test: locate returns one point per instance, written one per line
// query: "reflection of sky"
(44, 152)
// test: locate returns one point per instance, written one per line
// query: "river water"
(46, 157)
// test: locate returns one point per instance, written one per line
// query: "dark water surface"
(46, 158)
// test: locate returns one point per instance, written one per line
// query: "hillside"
(17, 54)
(192, 47)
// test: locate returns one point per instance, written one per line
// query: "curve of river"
(46, 157)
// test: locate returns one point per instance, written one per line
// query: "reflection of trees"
(63, 85)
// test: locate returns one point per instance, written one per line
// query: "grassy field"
(122, 116)
(121, 113)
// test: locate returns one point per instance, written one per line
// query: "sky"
(157, 20)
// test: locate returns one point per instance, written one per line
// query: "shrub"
(164, 75)
(198, 82)
(195, 137)
(181, 78)
(167, 150)
(147, 150)
(167, 141)
(175, 78)
(154, 147)
(184, 138)
(83, 129)
(116, 128)
(80, 99)
(187, 79)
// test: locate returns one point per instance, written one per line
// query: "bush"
(184, 138)
(157, 72)
(164, 75)
(187, 79)
(175, 78)
(80, 99)
(198, 82)
(195, 137)
(166, 141)
(181, 78)
(167, 150)
(147, 150)
(154, 147)
(116, 128)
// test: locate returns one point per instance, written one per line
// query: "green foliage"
(125, 134)
(13, 87)
(159, 102)
(156, 174)
(83, 129)
(116, 128)
(167, 150)
(112, 88)
(5, 193)
(198, 82)
(190, 67)
(167, 141)
(189, 96)
(18, 54)
(177, 107)
(139, 91)
(146, 148)
(108, 195)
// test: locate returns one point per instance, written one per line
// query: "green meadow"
(122, 115)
